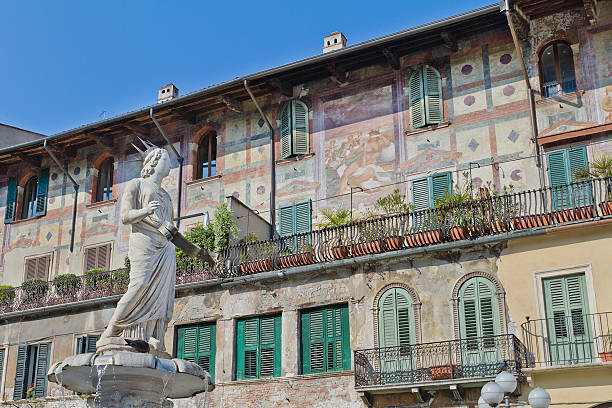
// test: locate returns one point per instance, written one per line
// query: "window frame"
(558, 72)
(110, 170)
(180, 352)
(29, 203)
(430, 184)
(30, 355)
(37, 259)
(305, 366)
(207, 138)
(426, 98)
(240, 348)
(290, 145)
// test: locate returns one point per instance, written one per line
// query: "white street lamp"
(482, 403)
(492, 393)
(506, 381)
(539, 398)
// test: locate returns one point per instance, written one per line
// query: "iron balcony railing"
(568, 338)
(465, 359)
(489, 214)
(38, 293)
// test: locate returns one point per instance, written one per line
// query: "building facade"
(497, 260)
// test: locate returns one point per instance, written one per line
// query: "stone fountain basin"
(132, 372)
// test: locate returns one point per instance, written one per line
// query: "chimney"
(167, 93)
(334, 41)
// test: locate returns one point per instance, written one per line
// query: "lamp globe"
(539, 398)
(506, 381)
(482, 403)
(492, 393)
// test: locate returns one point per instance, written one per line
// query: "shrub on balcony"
(7, 295)
(97, 279)
(34, 290)
(66, 285)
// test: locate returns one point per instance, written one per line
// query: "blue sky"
(64, 62)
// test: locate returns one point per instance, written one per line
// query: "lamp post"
(494, 392)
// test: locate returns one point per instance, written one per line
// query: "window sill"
(295, 158)
(101, 203)
(426, 128)
(299, 377)
(25, 221)
(203, 180)
(559, 98)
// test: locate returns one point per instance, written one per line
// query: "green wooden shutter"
(581, 192)
(478, 310)
(325, 340)
(285, 131)
(441, 185)
(197, 344)
(416, 100)
(303, 221)
(41, 192)
(2, 352)
(420, 194)
(301, 136)
(42, 365)
(285, 219)
(20, 387)
(433, 95)
(11, 199)
(559, 176)
(80, 345)
(258, 347)
(396, 318)
(91, 341)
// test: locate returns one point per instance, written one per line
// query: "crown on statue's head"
(149, 147)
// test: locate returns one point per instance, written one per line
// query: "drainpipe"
(530, 94)
(272, 162)
(180, 160)
(76, 192)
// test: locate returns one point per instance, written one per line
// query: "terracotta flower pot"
(366, 248)
(583, 213)
(606, 207)
(523, 222)
(341, 251)
(412, 240)
(561, 216)
(394, 242)
(606, 356)
(306, 258)
(285, 261)
(459, 232)
(440, 372)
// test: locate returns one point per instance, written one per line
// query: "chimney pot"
(334, 41)
(167, 93)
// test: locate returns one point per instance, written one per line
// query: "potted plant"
(600, 167)
(606, 347)
(97, 279)
(66, 285)
(34, 290)
(440, 372)
(392, 209)
(455, 211)
(339, 244)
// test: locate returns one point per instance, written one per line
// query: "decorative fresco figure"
(146, 308)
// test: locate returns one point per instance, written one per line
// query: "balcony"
(434, 365)
(573, 340)
(490, 218)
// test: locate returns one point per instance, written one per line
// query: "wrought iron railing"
(568, 339)
(473, 358)
(490, 214)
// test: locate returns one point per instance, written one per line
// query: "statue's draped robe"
(146, 308)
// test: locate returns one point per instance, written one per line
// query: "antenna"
(102, 114)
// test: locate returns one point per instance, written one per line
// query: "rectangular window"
(31, 373)
(293, 219)
(258, 347)
(37, 267)
(427, 190)
(563, 166)
(196, 343)
(2, 353)
(325, 339)
(97, 257)
(87, 344)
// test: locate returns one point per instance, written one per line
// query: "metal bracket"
(458, 394)
(421, 395)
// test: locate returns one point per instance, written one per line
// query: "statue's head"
(156, 161)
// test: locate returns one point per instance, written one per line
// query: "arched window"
(557, 69)
(104, 190)
(425, 97)
(29, 198)
(207, 156)
(478, 324)
(396, 318)
(294, 133)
